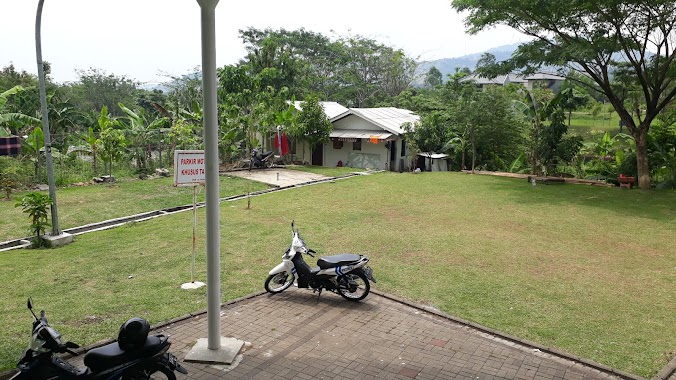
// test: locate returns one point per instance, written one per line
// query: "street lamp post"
(45, 122)
(57, 237)
(213, 349)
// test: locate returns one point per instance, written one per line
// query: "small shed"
(432, 162)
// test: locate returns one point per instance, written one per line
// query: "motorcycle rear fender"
(285, 266)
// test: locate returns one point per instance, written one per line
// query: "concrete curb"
(549, 350)
(668, 371)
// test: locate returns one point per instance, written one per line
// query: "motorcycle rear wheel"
(354, 286)
(279, 282)
(157, 372)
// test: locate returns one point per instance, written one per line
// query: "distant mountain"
(448, 65)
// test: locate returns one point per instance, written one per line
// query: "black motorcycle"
(261, 159)
(134, 356)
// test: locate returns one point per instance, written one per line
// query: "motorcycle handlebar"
(310, 252)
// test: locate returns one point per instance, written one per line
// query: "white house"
(370, 138)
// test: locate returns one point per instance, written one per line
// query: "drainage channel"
(112, 223)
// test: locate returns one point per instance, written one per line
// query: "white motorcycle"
(346, 274)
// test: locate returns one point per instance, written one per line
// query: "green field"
(79, 206)
(585, 269)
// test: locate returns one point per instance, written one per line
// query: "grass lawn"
(585, 125)
(88, 204)
(589, 270)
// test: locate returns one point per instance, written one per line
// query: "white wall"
(355, 122)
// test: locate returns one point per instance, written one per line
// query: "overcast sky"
(142, 38)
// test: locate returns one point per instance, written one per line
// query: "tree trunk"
(641, 138)
(473, 152)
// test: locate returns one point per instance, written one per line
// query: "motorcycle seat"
(338, 260)
(111, 355)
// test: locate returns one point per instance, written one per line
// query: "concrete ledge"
(58, 240)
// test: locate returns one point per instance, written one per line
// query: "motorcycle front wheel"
(277, 283)
(354, 286)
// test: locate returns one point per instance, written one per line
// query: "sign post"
(189, 171)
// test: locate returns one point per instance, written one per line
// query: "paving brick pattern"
(292, 336)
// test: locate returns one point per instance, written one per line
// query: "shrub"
(36, 205)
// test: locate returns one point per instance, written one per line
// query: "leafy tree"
(9, 78)
(306, 62)
(112, 143)
(591, 37)
(493, 136)
(184, 90)
(312, 125)
(369, 70)
(248, 102)
(571, 98)
(92, 147)
(433, 77)
(96, 88)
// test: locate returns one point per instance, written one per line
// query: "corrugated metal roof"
(544, 76)
(331, 109)
(390, 119)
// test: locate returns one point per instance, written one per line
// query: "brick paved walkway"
(292, 336)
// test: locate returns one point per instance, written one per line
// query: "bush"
(37, 206)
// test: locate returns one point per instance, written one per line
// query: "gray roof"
(331, 109)
(510, 78)
(544, 76)
(390, 119)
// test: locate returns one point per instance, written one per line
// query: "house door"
(393, 156)
(318, 155)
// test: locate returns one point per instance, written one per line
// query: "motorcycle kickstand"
(318, 295)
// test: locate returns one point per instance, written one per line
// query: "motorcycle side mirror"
(29, 303)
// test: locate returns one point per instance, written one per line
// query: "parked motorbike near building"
(260, 159)
(134, 356)
(346, 274)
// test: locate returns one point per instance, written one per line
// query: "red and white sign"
(189, 168)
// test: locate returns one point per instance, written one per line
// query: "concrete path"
(277, 177)
(292, 336)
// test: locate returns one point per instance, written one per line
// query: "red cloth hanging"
(282, 143)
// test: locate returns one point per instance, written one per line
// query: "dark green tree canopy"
(592, 37)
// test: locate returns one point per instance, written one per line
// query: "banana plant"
(9, 119)
(140, 131)
(33, 144)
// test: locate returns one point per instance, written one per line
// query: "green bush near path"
(585, 269)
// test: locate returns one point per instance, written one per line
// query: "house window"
(403, 148)
(337, 144)
(356, 145)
